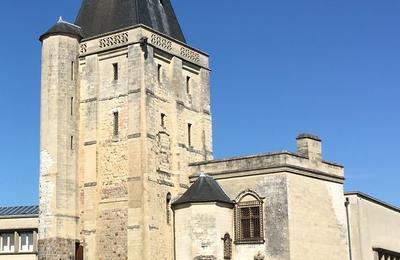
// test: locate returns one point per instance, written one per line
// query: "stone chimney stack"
(309, 146)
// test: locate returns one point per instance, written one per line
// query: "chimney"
(309, 146)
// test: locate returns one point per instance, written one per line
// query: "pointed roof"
(205, 189)
(97, 17)
(63, 28)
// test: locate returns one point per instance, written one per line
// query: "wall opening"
(163, 116)
(159, 73)
(189, 133)
(72, 142)
(72, 70)
(115, 68)
(188, 85)
(168, 206)
(116, 123)
(72, 106)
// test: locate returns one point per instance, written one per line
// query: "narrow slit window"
(159, 72)
(115, 67)
(162, 3)
(163, 119)
(72, 142)
(72, 106)
(72, 70)
(189, 135)
(168, 204)
(116, 123)
(188, 85)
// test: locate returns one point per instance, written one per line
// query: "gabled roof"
(204, 189)
(22, 211)
(63, 28)
(98, 17)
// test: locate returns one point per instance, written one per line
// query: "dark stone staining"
(205, 257)
(90, 143)
(276, 216)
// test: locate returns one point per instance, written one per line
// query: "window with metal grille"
(249, 221)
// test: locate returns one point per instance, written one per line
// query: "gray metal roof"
(63, 28)
(19, 211)
(98, 17)
(205, 189)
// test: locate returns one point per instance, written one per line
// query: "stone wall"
(56, 249)
(59, 138)
(131, 174)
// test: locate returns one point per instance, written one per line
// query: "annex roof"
(98, 17)
(204, 189)
(20, 211)
(372, 199)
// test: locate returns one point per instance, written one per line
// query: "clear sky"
(280, 67)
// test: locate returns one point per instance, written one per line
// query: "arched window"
(249, 219)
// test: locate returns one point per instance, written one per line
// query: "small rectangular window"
(159, 73)
(115, 66)
(72, 70)
(190, 135)
(7, 242)
(188, 85)
(116, 123)
(163, 119)
(26, 242)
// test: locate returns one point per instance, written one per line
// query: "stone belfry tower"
(125, 110)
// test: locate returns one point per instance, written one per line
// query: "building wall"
(200, 229)
(273, 189)
(58, 196)
(124, 180)
(16, 225)
(304, 213)
(372, 225)
(317, 219)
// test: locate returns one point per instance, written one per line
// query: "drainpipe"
(348, 226)
(173, 228)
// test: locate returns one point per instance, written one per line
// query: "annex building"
(127, 168)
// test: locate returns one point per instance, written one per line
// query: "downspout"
(348, 226)
(173, 228)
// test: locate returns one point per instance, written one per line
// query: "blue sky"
(280, 67)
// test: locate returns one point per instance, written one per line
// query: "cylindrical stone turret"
(58, 186)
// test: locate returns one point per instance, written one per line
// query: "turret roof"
(205, 189)
(63, 28)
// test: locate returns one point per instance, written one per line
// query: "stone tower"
(125, 109)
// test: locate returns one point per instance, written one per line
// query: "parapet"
(307, 161)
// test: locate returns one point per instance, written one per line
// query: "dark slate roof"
(205, 189)
(63, 28)
(19, 211)
(102, 16)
